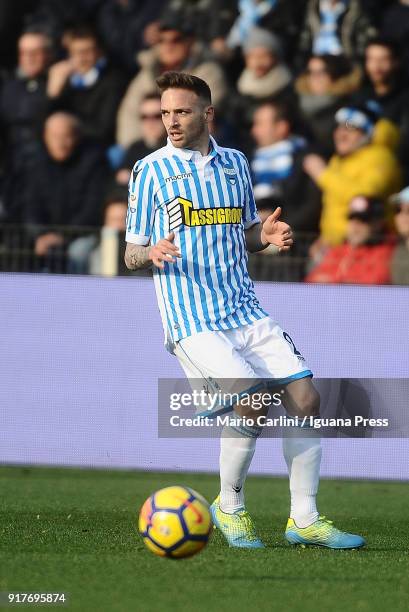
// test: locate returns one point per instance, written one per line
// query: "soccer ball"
(175, 522)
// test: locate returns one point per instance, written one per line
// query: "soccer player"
(192, 215)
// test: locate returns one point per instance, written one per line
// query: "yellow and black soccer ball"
(175, 522)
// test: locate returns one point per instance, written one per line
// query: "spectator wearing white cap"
(400, 259)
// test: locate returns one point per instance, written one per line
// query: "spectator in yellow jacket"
(360, 166)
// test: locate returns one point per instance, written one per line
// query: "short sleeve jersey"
(208, 202)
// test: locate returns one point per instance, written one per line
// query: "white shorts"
(240, 360)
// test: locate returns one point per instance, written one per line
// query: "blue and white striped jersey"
(208, 202)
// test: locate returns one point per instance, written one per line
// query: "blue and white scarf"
(327, 40)
(275, 162)
(250, 14)
(83, 81)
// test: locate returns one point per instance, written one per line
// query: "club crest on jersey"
(181, 212)
(230, 174)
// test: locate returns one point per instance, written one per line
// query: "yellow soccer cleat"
(321, 533)
(237, 528)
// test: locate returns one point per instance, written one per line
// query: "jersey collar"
(188, 154)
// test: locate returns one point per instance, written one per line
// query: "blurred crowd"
(315, 92)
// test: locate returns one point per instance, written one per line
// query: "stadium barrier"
(100, 251)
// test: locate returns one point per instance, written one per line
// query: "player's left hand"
(277, 232)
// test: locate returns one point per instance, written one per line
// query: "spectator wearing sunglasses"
(153, 136)
(176, 49)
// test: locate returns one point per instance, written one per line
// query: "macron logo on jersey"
(178, 177)
(181, 212)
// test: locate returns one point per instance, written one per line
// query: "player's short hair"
(181, 80)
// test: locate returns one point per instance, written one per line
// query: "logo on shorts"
(290, 341)
(182, 212)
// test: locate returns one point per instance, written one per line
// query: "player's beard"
(192, 138)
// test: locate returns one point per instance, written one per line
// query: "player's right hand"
(164, 250)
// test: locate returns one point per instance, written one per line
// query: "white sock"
(303, 458)
(236, 453)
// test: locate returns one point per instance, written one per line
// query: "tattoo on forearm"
(137, 257)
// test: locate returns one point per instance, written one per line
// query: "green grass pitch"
(75, 531)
